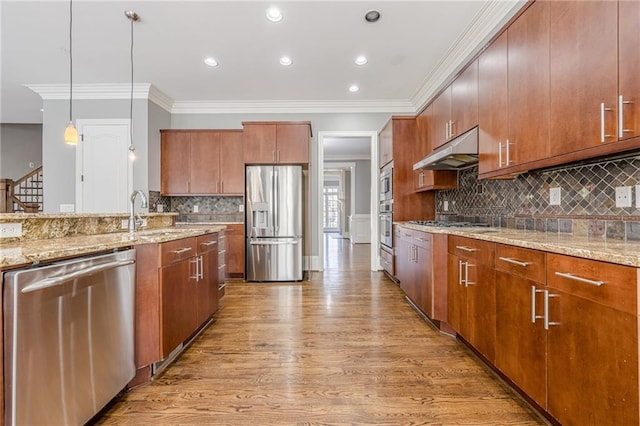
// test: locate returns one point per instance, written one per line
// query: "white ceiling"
(411, 50)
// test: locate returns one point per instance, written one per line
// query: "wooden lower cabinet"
(234, 250)
(592, 342)
(471, 293)
(177, 282)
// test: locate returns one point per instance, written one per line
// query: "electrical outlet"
(159, 208)
(67, 208)
(241, 208)
(195, 208)
(10, 230)
(555, 196)
(445, 206)
(124, 224)
(623, 196)
(144, 222)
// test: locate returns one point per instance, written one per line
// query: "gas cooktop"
(448, 224)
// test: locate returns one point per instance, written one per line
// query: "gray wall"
(20, 144)
(158, 119)
(363, 187)
(59, 159)
(319, 123)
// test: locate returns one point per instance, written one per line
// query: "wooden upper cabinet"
(231, 162)
(202, 162)
(583, 74)
(276, 143)
(629, 68)
(464, 101)
(205, 168)
(441, 118)
(493, 103)
(385, 144)
(174, 162)
(292, 143)
(528, 77)
(427, 180)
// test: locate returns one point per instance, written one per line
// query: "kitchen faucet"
(133, 222)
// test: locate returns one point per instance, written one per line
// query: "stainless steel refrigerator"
(273, 220)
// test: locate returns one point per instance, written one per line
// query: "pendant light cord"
(70, 60)
(131, 147)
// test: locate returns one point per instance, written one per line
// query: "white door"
(103, 169)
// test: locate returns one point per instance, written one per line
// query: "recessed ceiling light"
(286, 61)
(361, 60)
(211, 62)
(372, 16)
(41, 109)
(353, 88)
(274, 14)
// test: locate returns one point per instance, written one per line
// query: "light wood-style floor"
(344, 348)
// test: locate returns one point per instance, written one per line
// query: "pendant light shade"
(70, 132)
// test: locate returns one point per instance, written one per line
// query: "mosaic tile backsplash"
(587, 200)
(210, 209)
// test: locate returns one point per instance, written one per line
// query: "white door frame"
(352, 181)
(375, 177)
(80, 123)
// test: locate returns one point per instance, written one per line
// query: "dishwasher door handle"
(51, 282)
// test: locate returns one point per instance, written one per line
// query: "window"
(331, 209)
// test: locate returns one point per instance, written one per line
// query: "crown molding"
(288, 107)
(160, 98)
(489, 20)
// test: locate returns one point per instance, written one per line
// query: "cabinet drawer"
(418, 238)
(526, 263)
(468, 248)
(207, 242)
(174, 251)
(386, 259)
(605, 283)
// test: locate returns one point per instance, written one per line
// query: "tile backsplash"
(587, 200)
(210, 209)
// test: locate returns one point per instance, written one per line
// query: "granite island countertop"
(28, 252)
(607, 250)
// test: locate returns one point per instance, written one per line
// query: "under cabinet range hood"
(457, 154)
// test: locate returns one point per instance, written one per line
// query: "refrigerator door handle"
(273, 243)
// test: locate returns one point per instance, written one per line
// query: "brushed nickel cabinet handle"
(459, 272)
(182, 250)
(499, 155)
(468, 249)
(451, 132)
(579, 279)
(508, 144)
(547, 296)
(620, 116)
(209, 243)
(535, 291)
(603, 135)
(514, 261)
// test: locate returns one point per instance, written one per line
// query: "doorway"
(371, 138)
(104, 172)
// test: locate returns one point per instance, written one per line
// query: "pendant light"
(70, 132)
(133, 17)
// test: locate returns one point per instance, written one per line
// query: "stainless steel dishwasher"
(69, 338)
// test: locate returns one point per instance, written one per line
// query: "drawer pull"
(209, 243)
(514, 261)
(463, 248)
(182, 250)
(420, 239)
(580, 279)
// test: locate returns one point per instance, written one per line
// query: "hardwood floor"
(344, 348)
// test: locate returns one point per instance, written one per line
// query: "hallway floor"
(344, 348)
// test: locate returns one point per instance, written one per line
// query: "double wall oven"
(386, 207)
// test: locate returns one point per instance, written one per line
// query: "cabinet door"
(592, 362)
(204, 165)
(423, 274)
(481, 308)
(259, 143)
(464, 101)
(493, 104)
(231, 163)
(521, 344)
(178, 316)
(234, 235)
(629, 67)
(292, 143)
(386, 144)
(441, 118)
(174, 158)
(403, 256)
(528, 77)
(583, 74)
(207, 287)
(456, 295)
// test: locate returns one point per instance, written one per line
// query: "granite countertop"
(607, 250)
(34, 251)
